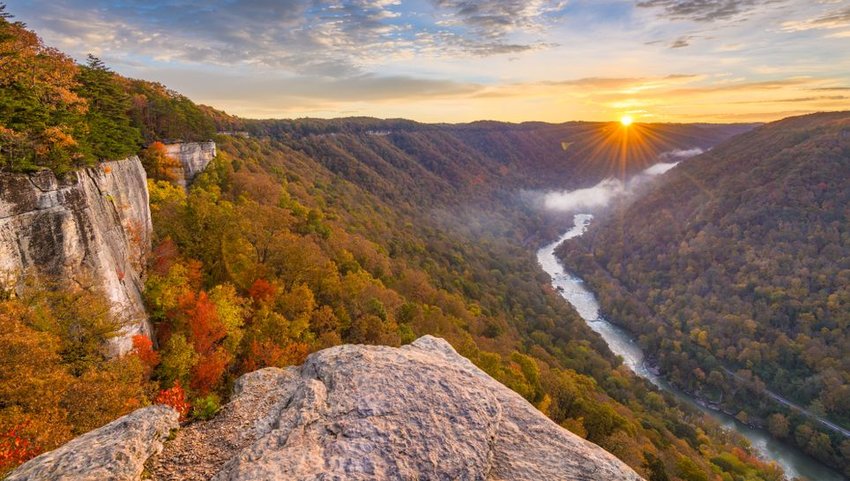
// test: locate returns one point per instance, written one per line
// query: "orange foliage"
(207, 373)
(158, 164)
(143, 348)
(176, 398)
(267, 353)
(262, 291)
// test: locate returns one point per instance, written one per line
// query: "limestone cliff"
(194, 158)
(92, 226)
(420, 412)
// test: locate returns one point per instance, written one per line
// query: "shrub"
(176, 398)
(206, 407)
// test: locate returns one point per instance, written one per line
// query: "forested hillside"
(57, 114)
(739, 263)
(308, 234)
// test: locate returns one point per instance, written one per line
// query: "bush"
(206, 407)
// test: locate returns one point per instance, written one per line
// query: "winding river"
(793, 461)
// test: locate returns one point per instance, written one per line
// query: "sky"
(466, 60)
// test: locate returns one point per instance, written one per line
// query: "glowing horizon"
(466, 60)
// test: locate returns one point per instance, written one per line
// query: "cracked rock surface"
(420, 412)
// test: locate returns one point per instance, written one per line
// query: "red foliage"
(267, 353)
(262, 291)
(143, 347)
(203, 321)
(176, 398)
(164, 256)
(207, 373)
(15, 449)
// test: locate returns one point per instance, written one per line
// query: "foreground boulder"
(420, 412)
(115, 452)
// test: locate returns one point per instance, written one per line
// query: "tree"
(175, 397)
(159, 165)
(778, 425)
(655, 467)
(41, 114)
(143, 349)
(110, 135)
(204, 324)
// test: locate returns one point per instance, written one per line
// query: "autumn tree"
(158, 164)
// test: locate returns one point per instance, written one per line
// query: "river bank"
(573, 290)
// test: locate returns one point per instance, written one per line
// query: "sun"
(626, 120)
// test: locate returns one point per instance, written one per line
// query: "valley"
(794, 462)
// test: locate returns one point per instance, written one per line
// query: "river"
(573, 289)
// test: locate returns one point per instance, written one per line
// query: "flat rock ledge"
(115, 452)
(419, 412)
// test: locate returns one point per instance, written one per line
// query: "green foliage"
(55, 114)
(163, 114)
(110, 134)
(739, 280)
(206, 407)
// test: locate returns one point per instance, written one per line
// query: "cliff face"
(350, 413)
(194, 158)
(92, 227)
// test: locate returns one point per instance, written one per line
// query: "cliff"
(194, 158)
(349, 413)
(92, 226)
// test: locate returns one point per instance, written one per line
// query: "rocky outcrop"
(418, 412)
(90, 228)
(194, 158)
(115, 452)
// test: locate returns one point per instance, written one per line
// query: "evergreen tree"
(110, 133)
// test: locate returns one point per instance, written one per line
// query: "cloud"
(496, 18)
(608, 190)
(834, 19)
(682, 42)
(702, 10)
(330, 37)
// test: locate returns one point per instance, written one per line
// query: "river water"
(573, 289)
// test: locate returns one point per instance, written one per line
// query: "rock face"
(115, 452)
(91, 227)
(420, 412)
(194, 158)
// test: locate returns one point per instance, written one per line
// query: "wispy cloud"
(703, 10)
(457, 60)
(838, 18)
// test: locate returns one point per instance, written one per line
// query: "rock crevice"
(92, 224)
